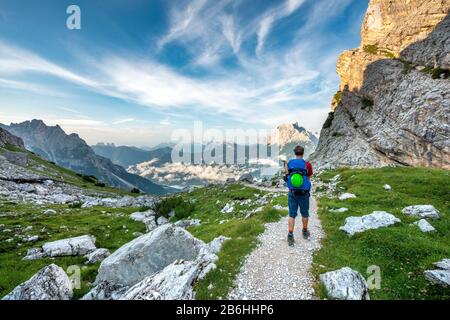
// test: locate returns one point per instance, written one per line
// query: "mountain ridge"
(72, 152)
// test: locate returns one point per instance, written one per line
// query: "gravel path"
(275, 271)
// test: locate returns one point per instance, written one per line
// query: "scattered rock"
(34, 254)
(76, 246)
(375, 220)
(247, 177)
(424, 226)
(340, 210)
(443, 264)
(279, 207)
(97, 255)
(345, 284)
(49, 283)
(31, 239)
(422, 211)
(346, 196)
(187, 223)
(215, 245)
(50, 212)
(438, 277)
(162, 220)
(141, 216)
(229, 208)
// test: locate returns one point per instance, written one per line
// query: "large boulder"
(174, 282)
(77, 246)
(345, 284)
(375, 220)
(422, 211)
(148, 254)
(424, 226)
(439, 276)
(49, 283)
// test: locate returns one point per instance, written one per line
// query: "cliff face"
(393, 106)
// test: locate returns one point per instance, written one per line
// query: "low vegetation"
(113, 228)
(401, 251)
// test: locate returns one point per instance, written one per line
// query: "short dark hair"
(299, 150)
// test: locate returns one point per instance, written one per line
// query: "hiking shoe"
(305, 233)
(290, 240)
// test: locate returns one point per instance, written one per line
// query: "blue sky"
(138, 69)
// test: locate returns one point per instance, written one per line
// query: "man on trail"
(298, 173)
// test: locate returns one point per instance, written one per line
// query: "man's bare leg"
(305, 223)
(291, 225)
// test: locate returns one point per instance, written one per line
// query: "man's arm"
(310, 169)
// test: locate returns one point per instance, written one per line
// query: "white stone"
(438, 277)
(34, 254)
(70, 247)
(50, 212)
(422, 211)
(443, 264)
(340, 210)
(187, 223)
(141, 216)
(49, 283)
(387, 187)
(424, 226)
(229, 208)
(279, 207)
(345, 284)
(162, 220)
(215, 245)
(97, 255)
(375, 220)
(346, 196)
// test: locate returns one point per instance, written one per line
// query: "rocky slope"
(72, 152)
(393, 105)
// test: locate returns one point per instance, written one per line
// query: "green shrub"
(100, 184)
(436, 72)
(75, 205)
(371, 48)
(90, 179)
(337, 97)
(182, 209)
(329, 120)
(367, 102)
(135, 190)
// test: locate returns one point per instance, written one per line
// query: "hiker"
(298, 173)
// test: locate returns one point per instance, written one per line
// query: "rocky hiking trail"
(276, 271)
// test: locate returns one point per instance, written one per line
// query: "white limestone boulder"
(77, 246)
(375, 220)
(346, 196)
(422, 211)
(345, 284)
(49, 283)
(148, 254)
(424, 226)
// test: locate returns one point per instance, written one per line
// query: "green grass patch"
(401, 251)
(111, 227)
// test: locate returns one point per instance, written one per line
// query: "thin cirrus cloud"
(267, 88)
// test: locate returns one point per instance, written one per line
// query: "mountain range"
(72, 152)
